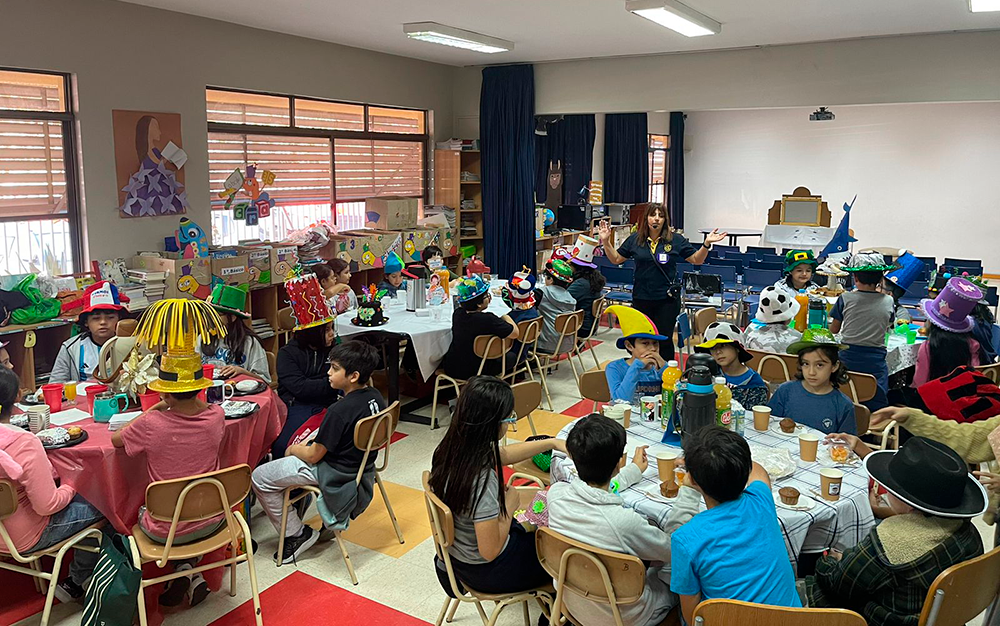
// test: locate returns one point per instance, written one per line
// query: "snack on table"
(839, 453)
(787, 425)
(75, 432)
(53, 436)
(19, 421)
(669, 489)
(789, 495)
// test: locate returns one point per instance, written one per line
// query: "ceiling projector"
(822, 114)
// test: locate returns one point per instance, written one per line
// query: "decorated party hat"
(519, 292)
(867, 261)
(229, 299)
(101, 296)
(309, 305)
(812, 337)
(471, 287)
(560, 269)
(635, 324)
(794, 258)
(952, 309)
(908, 270)
(175, 324)
(583, 251)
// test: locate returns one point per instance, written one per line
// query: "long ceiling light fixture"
(433, 32)
(675, 16)
(983, 6)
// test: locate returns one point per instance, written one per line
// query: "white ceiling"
(545, 30)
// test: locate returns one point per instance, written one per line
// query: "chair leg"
(444, 611)
(392, 515)
(451, 613)
(347, 558)
(531, 423)
(527, 615)
(142, 605)
(482, 612)
(253, 571)
(434, 403)
(545, 385)
(51, 593)
(232, 577)
(283, 526)
(593, 353)
(36, 579)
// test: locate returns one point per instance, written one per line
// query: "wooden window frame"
(649, 164)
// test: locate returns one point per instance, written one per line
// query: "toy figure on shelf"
(191, 240)
(476, 266)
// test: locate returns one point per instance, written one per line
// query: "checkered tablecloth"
(841, 524)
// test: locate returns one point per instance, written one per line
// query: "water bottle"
(739, 419)
(697, 404)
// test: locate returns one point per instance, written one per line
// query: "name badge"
(662, 257)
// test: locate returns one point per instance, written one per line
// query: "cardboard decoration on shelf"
(414, 242)
(192, 241)
(232, 270)
(149, 163)
(258, 264)
(367, 248)
(801, 208)
(187, 278)
(391, 213)
(283, 260)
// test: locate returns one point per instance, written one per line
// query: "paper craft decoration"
(596, 196)
(801, 208)
(251, 201)
(842, 238)
(437, 293)
(148, 163)
(191, 240)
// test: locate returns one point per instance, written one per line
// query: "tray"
(68, 444)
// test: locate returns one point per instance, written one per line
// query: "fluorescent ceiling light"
(982, 6)
(456, 37)
(677, 16)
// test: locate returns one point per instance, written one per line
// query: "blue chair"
(929, 262)
(761, 251)
(780, 260)
(915, 293)
(950, 262)
(728, 274)
(684, 267)
(767, 265)
(992, 298)
(617, 277)
(760, 278)
(725, 251)
(732, 262)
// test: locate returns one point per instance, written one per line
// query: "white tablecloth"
(899, 354)
(429, 337)
(841, 524)
(798, 237)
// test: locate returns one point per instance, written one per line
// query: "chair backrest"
(725, 250)
(272, 368)
(863, 417)
(617, 275)
(861, 387)
(286, 321)
(773, 367)
(728, 273)
(375, 432)
(489, 347)
(197, 497)
(527, 397)
(761, 250)
(442, 531)
(962, 591)
(918, 288)
(730, 262)
(724, 612)
(962, 262)
(8, 499)
(760, 277)
(767, 265)
(594, 386)
(528, 332)
(991, 371)
(596, 311)
(703, 318)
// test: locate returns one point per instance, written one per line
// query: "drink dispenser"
(416, 294)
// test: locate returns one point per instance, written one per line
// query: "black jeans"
(664, 313)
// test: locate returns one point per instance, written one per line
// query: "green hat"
(868, 261)
(812, 337)
(798, 257)
(470, 287)
(229, 299)
(560, 269)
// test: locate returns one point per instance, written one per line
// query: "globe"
(550, 217)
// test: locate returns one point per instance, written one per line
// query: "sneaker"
(68, 591)
(327, 534)
(198, 590)
(176, 588)
(295, 546)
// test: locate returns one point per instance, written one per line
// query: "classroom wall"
(126, 56)
(925, 174)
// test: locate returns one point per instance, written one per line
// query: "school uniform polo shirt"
(655, 268)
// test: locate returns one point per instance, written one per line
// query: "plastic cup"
(679, 474)
(92, 392)
(808, 444)
(650, 406)
(761, 417)
(830, 481)
(148, 399)
(208, 371)
(70, 392)
(52, 393)
(665, 460)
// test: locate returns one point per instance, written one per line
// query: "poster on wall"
(149, 163)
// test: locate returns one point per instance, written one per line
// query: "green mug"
(107, 404)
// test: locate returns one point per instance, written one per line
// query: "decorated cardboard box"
(232, 270)
(283, 260)
(391, 213)
(367, 248)
(186, 278)
(414, 242)
(259, 264)
(449, 242)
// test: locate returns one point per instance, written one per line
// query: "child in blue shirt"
(733, 550)
(814, 398)
(724, 341)
(641, 373)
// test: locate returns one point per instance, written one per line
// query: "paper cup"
(808, 443)
(665, 464)
(627, 417)
(830, 481)
(650, 407)
(761, 417)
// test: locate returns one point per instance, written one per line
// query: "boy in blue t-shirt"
(724, 341)
(733, 550)
(642, 373)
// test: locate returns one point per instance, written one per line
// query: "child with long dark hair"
(949, 331)
(490, 553)
(240, 351)
(813, 398)
(335, 278)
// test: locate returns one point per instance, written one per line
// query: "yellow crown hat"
(175, 324)
(635, 324)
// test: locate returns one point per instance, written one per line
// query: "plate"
(805, 502)
(776, 429)
(653, 493)
(68, 444)
(238, 409)
(259, 387)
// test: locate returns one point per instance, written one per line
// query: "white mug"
(220, 391)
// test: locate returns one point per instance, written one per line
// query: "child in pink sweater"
(46, 514)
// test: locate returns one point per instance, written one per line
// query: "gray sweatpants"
(269, 483)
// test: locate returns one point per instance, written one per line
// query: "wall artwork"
(149, 163)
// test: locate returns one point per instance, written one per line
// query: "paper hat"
(867, 261)
(471, 287)
(813, 337)
(583, 251)
(776, 305)
(909, 268)
(724, 332)
(476, 266)
(521, 290)
(309, 305)
(798, 257)
(951, 309)
(393, 264)
(558, 253)
(175, 324)
(634, 324)
(101, 296)
(229, 299)
(560, 269)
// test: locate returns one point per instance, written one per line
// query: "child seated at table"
(800, 266)
(335, 279)
(98, 322)
(949, 332)
(814, 398)
(519, 295)
(393, 277)
(886, 577)
(240, 351)
(46, 514)
(769, 331)
(898, 281)
(470, 320)
(724, 342)
(641, 373)
(432, 258)
(590, 510)
(330, 460)
(734, 550)
(554, 299)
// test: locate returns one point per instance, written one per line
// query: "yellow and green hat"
(230, 299)
(172, 327)
(794, 258)
(635, 324)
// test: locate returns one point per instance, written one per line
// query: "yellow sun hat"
(635, 324)
(175, 324)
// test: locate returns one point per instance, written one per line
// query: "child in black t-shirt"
(329, 461)
(470, 320)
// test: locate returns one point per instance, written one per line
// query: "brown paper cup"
(830, 481)
(808, 443)
(761, 417)
(665, 464)
(627, 421)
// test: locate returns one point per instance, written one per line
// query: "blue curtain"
(626, 158)
(507, 142)
(675, 170)
(570, 140)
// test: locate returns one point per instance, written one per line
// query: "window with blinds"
(38, 208)
(658, 146)
(368, 169)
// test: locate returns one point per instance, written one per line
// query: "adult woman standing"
(656, 250)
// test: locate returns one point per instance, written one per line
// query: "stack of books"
(153, 287)
(440, 209)
(262, 328)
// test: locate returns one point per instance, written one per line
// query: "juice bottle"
(723, 403)
(671, 375)
(801, 318)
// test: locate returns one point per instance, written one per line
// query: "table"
(735, 233)
(841, 524)
(812, 238)
(901, 355)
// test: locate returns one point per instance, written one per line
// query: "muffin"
(75, 432)
(789, 495)
(787, 425)
(669, 489)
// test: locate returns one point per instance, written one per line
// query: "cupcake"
(74, 432)
(669, 489)
(789, 495)
(787, 425)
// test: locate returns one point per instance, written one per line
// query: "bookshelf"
(458, 184)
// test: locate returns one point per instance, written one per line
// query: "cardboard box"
(449, 242)
(259, 264)
(391, 213)
(231, 270)
(414, 242)
(283, 260)
(186, 278)
(368, 248)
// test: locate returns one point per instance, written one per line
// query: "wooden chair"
(703, 318)
(192, 499)
(598, 575)
(33, 561)
(370, 434)
(528, 332)
(286, 321)
(527, 398)
(568, 326)
(597, 310)
(991, 371)
(723, 612)
(486, 347)
(860, 387)
(443, 533)
(963, 591)
(863, 417)
(272, 368)
(774, 367)
(594, 386)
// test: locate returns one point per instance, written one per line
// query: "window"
(327, 157)
(39, 216)
(658, 147)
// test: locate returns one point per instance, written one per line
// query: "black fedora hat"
(928, 476)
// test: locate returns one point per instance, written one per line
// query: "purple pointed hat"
(951, 308)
